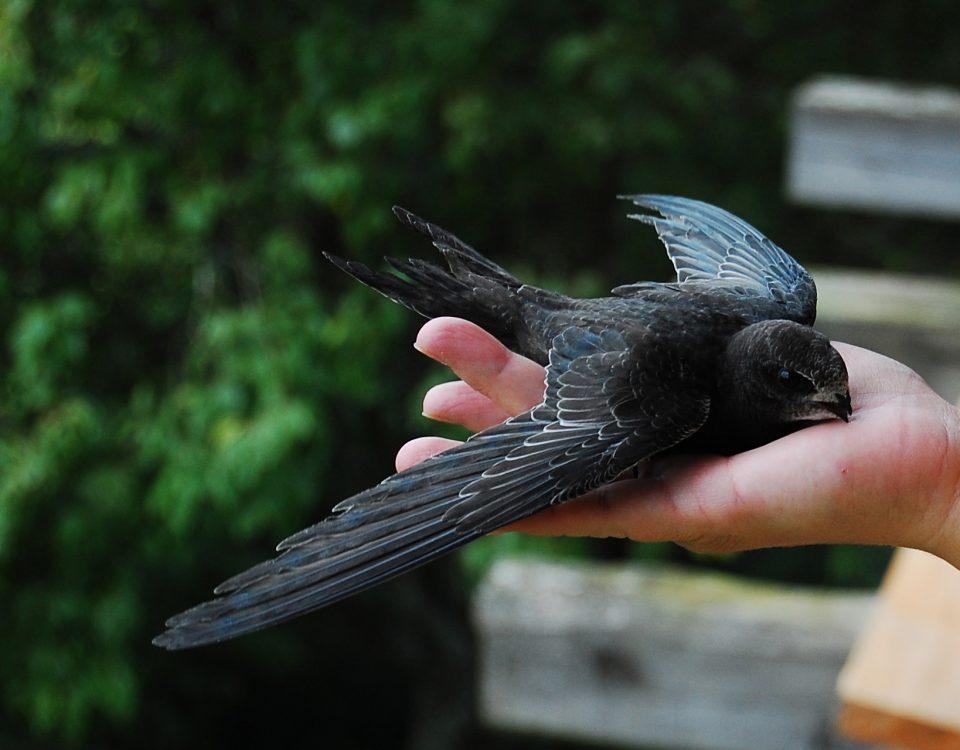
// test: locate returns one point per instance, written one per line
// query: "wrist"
(945, 539)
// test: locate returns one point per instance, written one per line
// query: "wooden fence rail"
(657, 657)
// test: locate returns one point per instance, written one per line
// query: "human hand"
(889, 476)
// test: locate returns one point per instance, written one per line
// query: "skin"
(891, 476)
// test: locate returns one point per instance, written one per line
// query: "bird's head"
(788, 373)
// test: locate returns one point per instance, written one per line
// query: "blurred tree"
(184, 380)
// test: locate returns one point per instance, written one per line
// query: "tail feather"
(460, 256)
(400, 524)
(472, 287)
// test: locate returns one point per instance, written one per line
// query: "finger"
(458, 403)
(422, 448)
(512, 382)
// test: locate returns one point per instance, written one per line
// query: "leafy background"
(184, 380)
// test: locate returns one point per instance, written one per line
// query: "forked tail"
(471, 287)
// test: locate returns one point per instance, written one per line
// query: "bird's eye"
(790, 379)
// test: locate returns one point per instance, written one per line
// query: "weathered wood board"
(877, 146)
(640, 656)
(914, 319)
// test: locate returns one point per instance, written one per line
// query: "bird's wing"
(601, 414)
(607, 405)
(708, 244)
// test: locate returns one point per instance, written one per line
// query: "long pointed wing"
(382, 532)
(707, 244)
(603, 411)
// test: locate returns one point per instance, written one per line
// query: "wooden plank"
(869, 725)
(640, 656)
(884, 298)
(876, 146)
(907, 662)
(910, 318)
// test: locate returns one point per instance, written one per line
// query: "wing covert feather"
(707, 244)
(608, 404)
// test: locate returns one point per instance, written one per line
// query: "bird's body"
(721, 361)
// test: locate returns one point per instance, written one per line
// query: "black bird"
(721, 361)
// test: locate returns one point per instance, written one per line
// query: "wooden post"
(901, 685)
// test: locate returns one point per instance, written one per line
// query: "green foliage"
(184, 380)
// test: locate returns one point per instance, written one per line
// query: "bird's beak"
(828, 406)
(840, 406)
